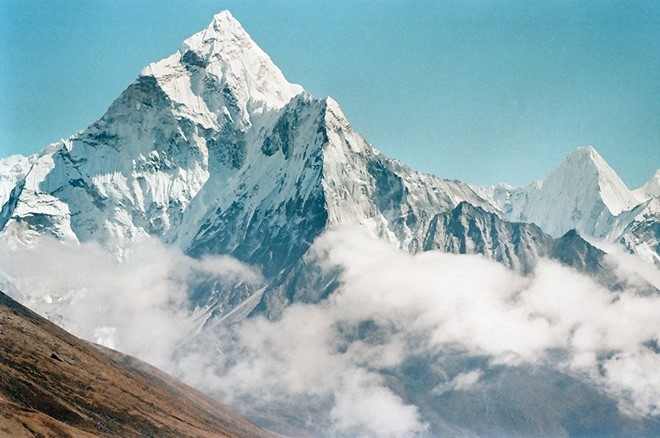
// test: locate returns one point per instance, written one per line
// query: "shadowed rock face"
(54, 384)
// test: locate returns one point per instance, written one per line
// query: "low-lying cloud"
(393, 305)
(342, 358)
(139, 305)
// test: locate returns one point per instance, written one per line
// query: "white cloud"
(636, 374)
(343, 352)
(431, 302)
(462, 382)
(364, 407)
(138, 305)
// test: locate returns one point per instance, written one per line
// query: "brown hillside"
(53, 384)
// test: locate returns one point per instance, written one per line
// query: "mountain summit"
(583, 193)
(221, 68)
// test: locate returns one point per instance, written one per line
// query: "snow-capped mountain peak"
(585, 194)
(589, 167)
(220, 74)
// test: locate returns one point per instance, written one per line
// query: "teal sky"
(481, 91)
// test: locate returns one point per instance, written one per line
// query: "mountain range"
(213, 152)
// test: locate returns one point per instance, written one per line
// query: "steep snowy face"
(614, 193)
(26, 211)
(135, 171)
(642, 234)
(269, 211)
(585, 194)
(12, 170)
(310, 171)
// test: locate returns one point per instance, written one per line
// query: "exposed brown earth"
(53, 384)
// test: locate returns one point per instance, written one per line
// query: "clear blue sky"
(481, 91)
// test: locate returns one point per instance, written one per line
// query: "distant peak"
(585, 152)
(589, 156)
(332, 106)
(588, 149)
(585, 167)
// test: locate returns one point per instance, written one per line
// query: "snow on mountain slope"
(27, 211)
(583, 193)
(642, 234)
(12, 181)
(220, 74)
(135, 171)
(12, 170)
(394, 202)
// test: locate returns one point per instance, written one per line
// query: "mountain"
(584, 193)
(213, 152)
(55, 384)
(470, 230)
(651, 188)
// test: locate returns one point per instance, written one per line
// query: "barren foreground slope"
(55, 385)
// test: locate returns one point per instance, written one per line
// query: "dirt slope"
(53, 384)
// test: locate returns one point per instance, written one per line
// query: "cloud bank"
(393, 306)
(139, 305)
(339, 364)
